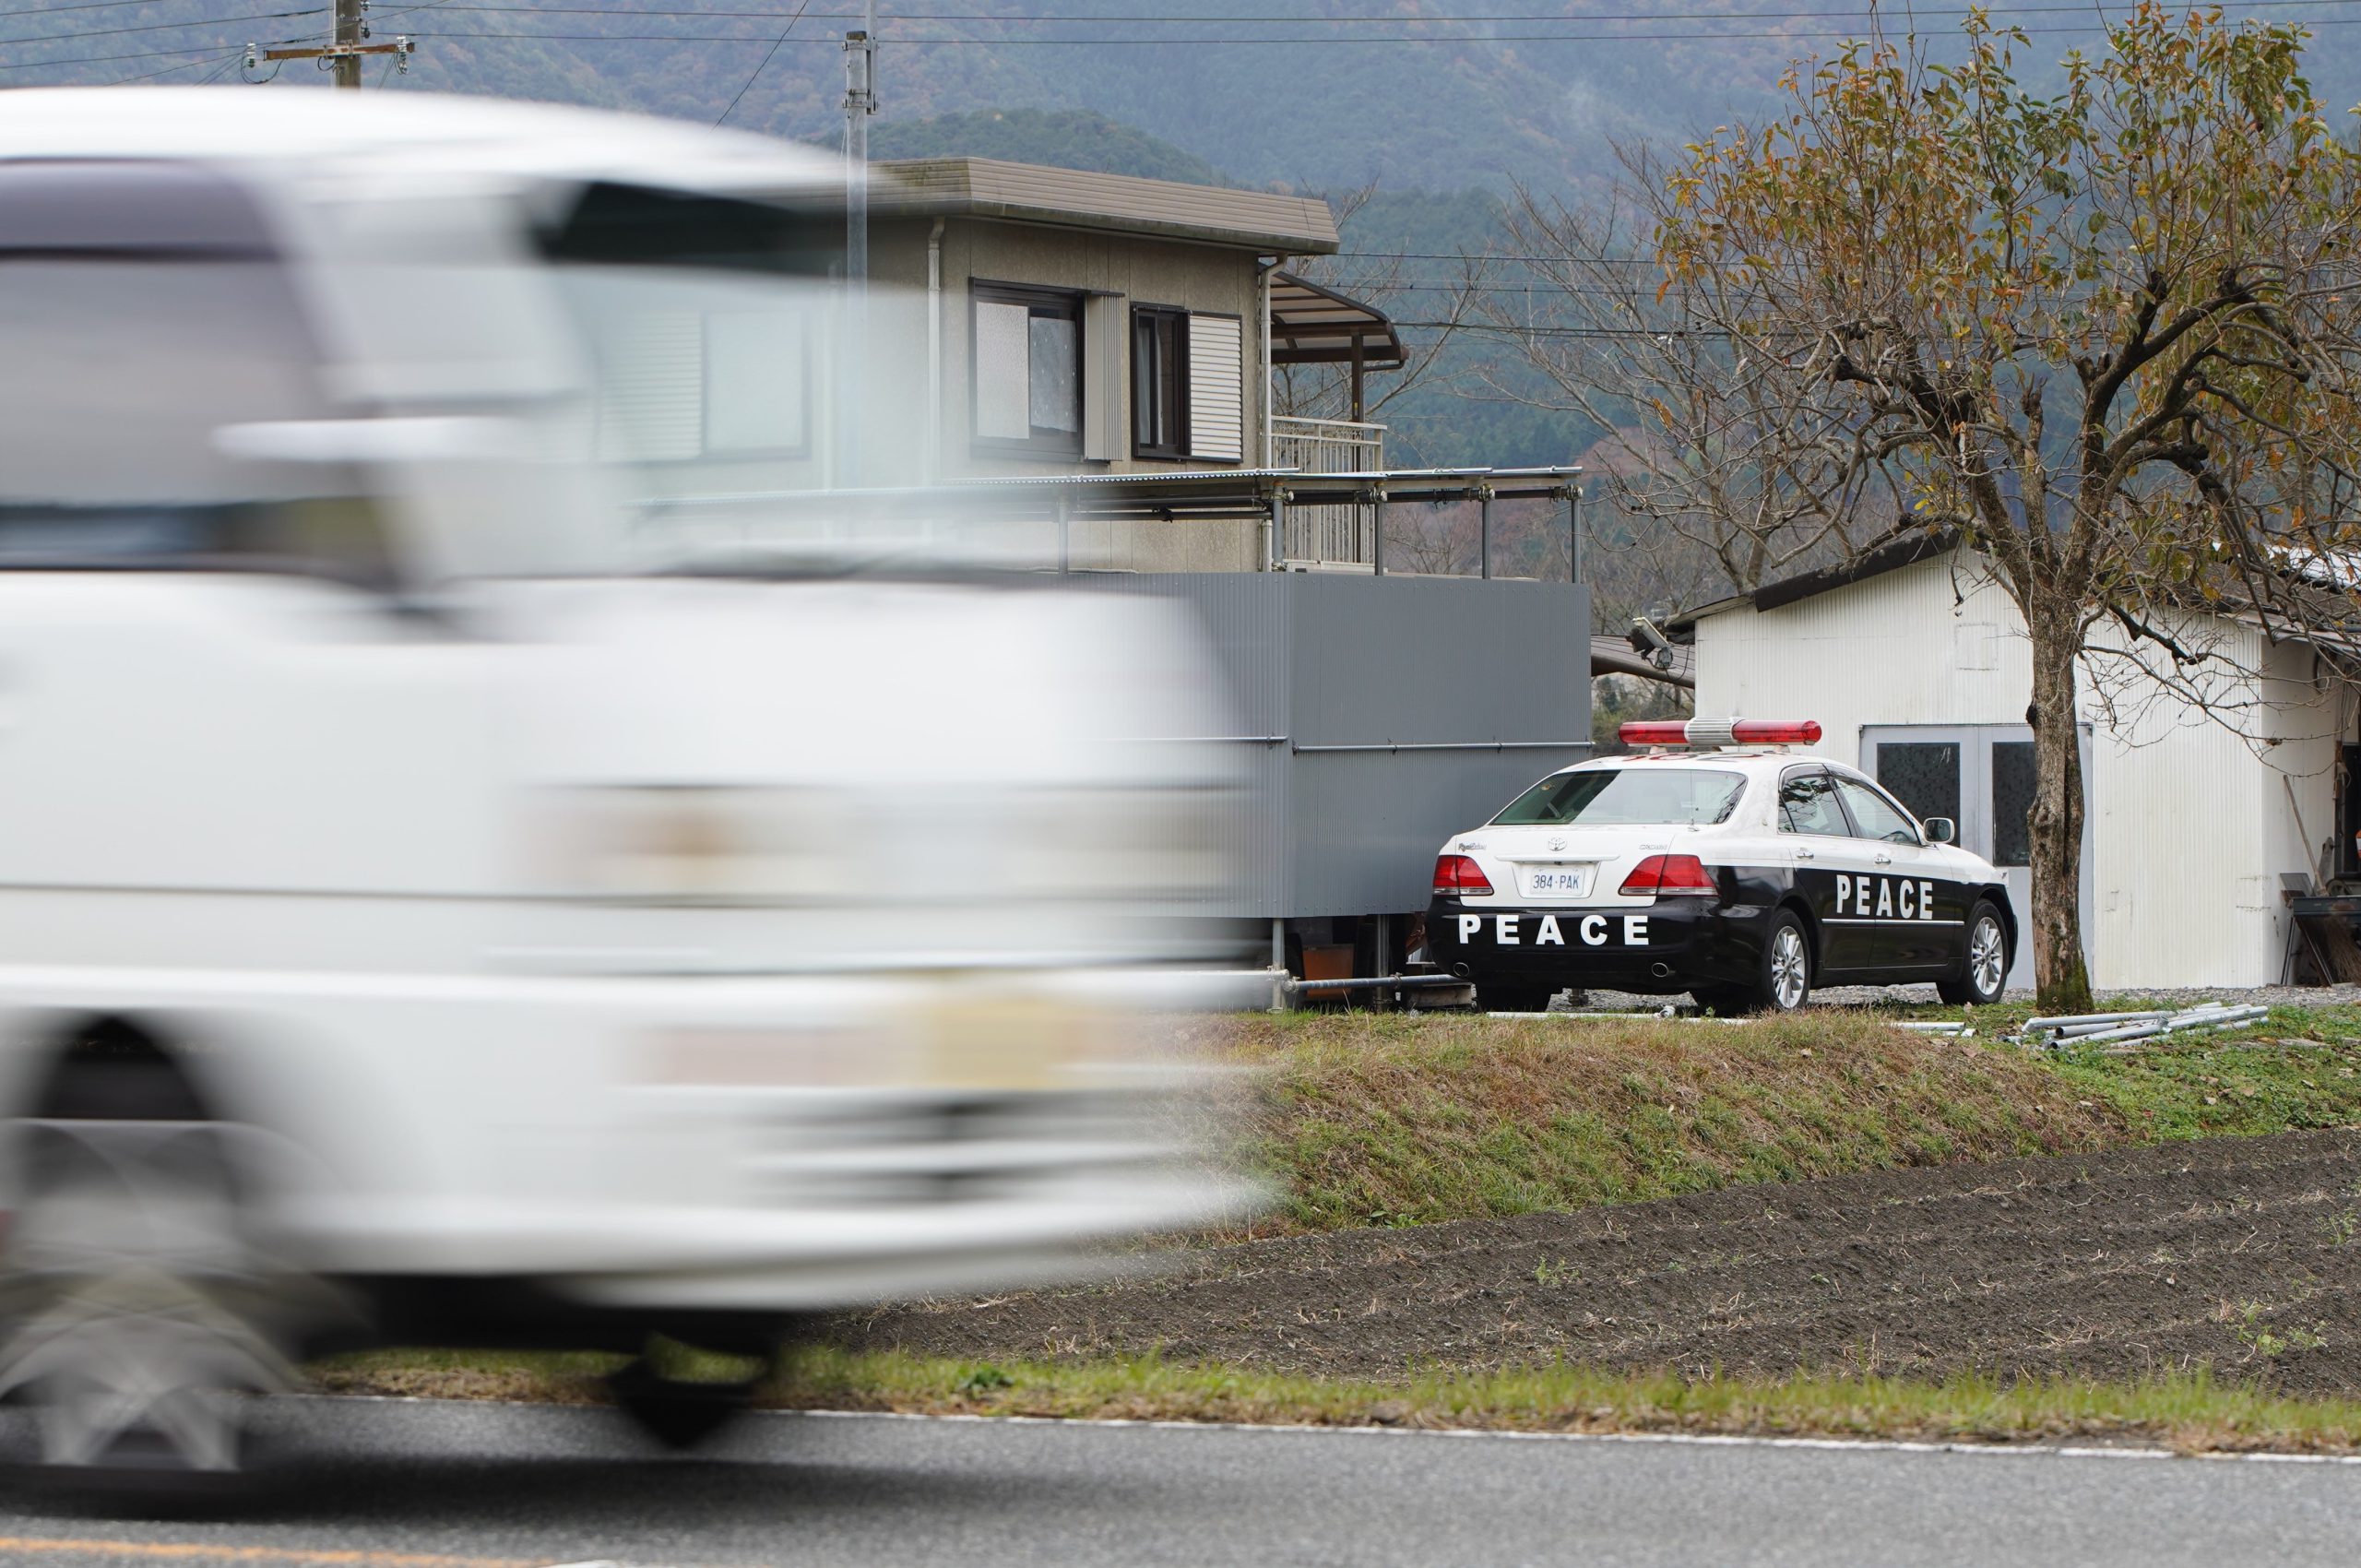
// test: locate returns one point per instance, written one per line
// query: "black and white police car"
(1730, 868)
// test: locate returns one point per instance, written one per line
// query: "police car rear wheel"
(1986, 966)
(1785, 979)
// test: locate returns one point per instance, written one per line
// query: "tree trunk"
(2055, 826)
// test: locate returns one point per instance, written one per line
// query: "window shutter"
(651, 388)
(1216, 389)
(1103, 376)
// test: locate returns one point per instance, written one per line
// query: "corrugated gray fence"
(1381, 715)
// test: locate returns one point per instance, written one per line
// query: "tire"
(1782, 977)
(1501, 997)
(1983, 966)
(141, 1310)
(677, 1412)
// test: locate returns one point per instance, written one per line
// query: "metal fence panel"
(1377, 716)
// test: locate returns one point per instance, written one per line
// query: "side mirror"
(1940, 829)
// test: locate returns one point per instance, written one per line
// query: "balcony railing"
(1327, 446)
(1339, 536)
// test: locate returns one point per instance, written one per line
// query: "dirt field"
(2241, 1253)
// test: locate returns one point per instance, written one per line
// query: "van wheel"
(678, 1412)
(1505, 997)
(1984, 969)
(140, 1316)
(1784, 979)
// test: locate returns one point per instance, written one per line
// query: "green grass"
(1399, 1118)
(2192, 1412)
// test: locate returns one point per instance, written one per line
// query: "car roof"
(346, 133)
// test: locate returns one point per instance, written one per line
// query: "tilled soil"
(2241, 1253)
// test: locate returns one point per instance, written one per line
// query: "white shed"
(1916, 663)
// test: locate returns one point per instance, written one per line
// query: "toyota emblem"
(1556, 843)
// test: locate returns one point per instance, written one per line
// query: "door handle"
(1883, 859)
(1802, 854)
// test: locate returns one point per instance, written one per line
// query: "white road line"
(1701, 1440)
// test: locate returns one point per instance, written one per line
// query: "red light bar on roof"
(1720, 732)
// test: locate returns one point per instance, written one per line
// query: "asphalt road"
(396, 1484)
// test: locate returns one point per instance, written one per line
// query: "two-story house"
(1075, 368)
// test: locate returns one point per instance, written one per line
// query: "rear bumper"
(1671, 945)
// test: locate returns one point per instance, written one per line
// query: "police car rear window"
(1628, 797)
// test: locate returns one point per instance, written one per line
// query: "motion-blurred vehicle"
(1718, 863)
(446, 895)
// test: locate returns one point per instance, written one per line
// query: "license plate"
(1556, 881)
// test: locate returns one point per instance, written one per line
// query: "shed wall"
(2191, 825)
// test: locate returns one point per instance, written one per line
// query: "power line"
(1665, 335)
(164, 27)
(1864, 14)
(7, 13)
(1461, 255)
(906, 40)
(766, 64)
(138, 55)
(184, 66)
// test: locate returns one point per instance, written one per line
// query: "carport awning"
(1313, 324)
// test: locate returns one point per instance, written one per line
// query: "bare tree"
(2106, 338)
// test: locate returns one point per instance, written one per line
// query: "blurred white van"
(444, 895)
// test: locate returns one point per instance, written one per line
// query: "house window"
(1029, 369)
(1160, 382)
(1188, 379)
(678, 385)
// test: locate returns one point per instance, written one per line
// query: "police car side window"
(1877, 817)
(1808, 805)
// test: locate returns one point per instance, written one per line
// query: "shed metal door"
(1981, 777)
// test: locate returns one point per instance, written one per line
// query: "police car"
(1721, 864)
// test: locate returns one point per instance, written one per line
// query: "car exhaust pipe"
(1662, 971)
(1459, 970)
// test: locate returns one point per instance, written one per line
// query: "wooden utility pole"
(343, 56)
(348, 33)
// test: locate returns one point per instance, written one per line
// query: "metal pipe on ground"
(2071, 1030)
(1367, 982)
(2105, 1018)
(2200, 1018)
(2215, 1020)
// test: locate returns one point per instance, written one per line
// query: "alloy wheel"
(1986, 956)
(1789, 967)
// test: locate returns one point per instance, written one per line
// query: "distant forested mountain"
(1318, 97)
(1064, 138)
(1423, 142)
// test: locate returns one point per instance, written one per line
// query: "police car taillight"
(1720, 732)
(1670, 876)
(1457, 876)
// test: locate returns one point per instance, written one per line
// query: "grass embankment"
(1372, 1119)
(2193, 1413)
